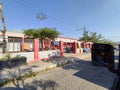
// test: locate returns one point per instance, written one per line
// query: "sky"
(67, 16)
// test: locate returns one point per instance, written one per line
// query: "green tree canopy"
(94, 37)
(53, 33)
(85, 35)
(31, 33)
(42, 33)
(45, 33)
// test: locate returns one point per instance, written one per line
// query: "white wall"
(48, 54)
(30, 55)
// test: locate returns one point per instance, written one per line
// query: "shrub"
(6, 57)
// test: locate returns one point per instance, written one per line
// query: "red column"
(36, 50)
(75, 47)
(84, 45)
(22, 44)
(61, 48)
(90, 45)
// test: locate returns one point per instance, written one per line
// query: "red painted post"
(90, 46)
(36, 50)
(61, 48)
(75, 47)
(84, 45)
(22, 44)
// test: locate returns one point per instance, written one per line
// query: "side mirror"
(103, 55)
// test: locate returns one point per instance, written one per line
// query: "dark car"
(103, 55)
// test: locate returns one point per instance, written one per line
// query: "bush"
(6, 57)
(8, 62)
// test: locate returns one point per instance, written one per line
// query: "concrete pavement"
(7, 74)
(77, 75)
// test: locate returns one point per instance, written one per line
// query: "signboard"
(27, 46)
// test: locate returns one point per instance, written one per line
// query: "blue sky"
(101, 16)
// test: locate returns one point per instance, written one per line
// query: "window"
(14, 44)
(28, 45)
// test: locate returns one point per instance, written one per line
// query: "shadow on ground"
(11, 73)
(34, 85)
(21, 84)
(43, 84)
(85, 70)
(95, 74)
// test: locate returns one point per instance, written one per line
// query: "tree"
(94, 37)
(4, 29)
(53, 33)
(91, 36)
(85, 35)
(48, 33)
(107, 41)
(31, 33)
(43, 34)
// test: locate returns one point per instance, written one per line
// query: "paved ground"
(9, 73)
(79, 75)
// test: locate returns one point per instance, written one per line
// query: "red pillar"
(75, 47)
(90, 45)
(84, 45)
(22, 44)
(61, 48)
(36, 50)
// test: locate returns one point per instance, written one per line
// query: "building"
(17, 43)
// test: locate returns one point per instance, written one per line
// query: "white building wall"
(30, 55)
(48, 54)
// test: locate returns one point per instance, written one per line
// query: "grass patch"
(6, 82)
(27, 75)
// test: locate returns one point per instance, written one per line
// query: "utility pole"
(4, 29)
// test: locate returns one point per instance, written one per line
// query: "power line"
(83, 28)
